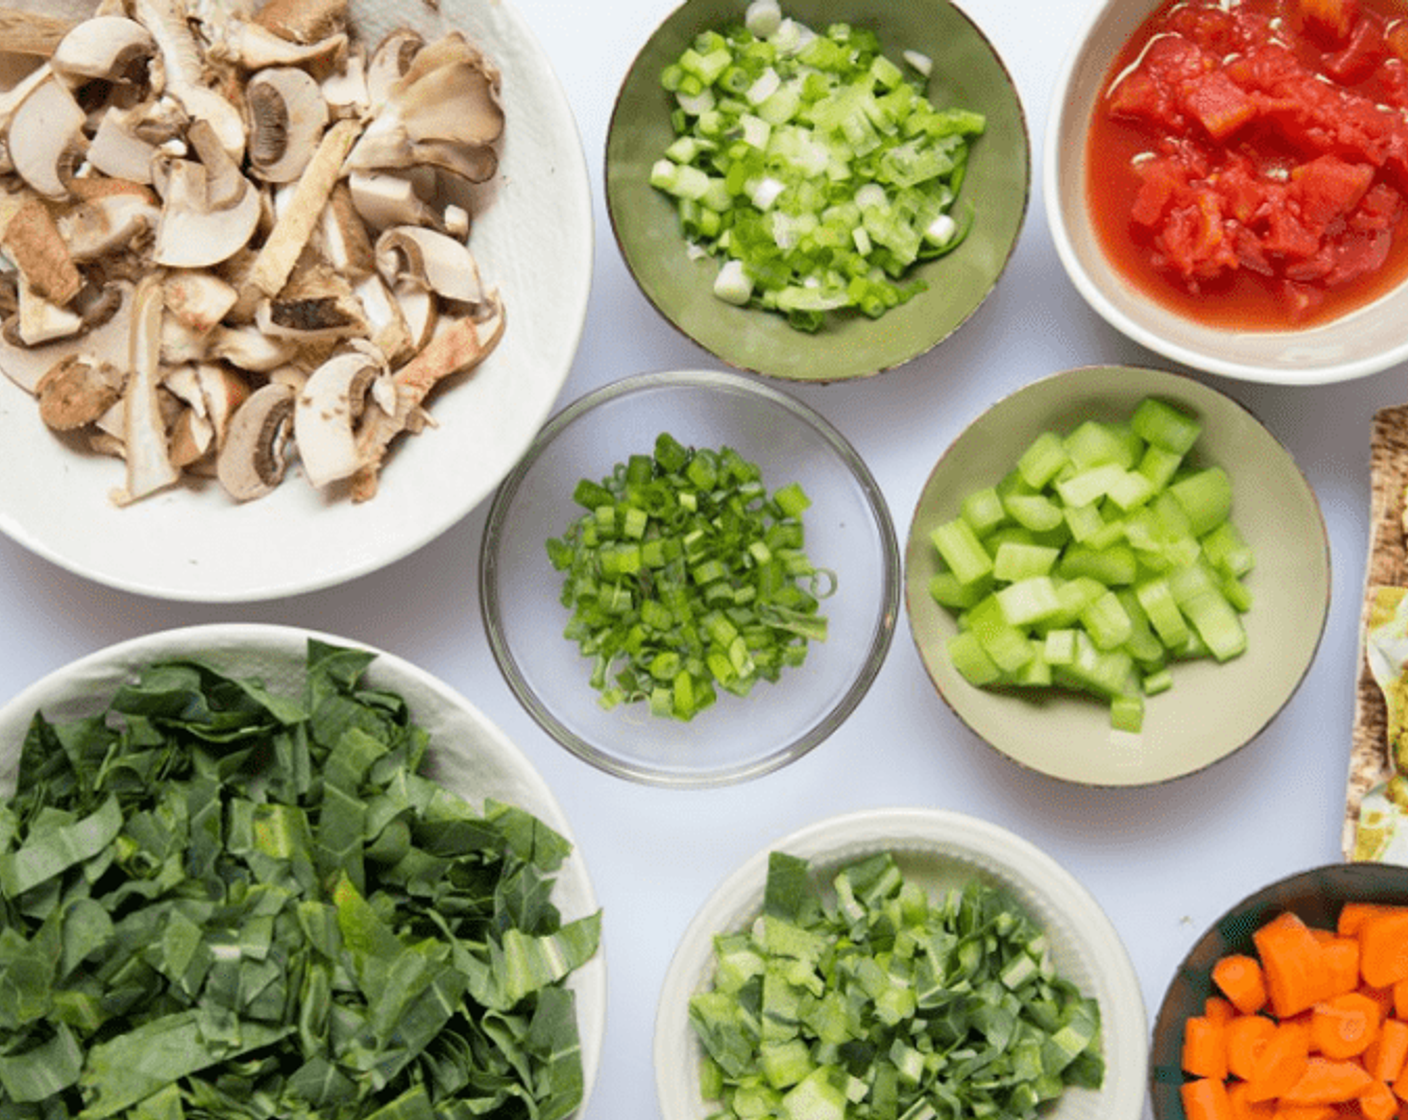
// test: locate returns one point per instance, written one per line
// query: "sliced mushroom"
(346, 91)
(25, 365)
(39, 321)
(409, 256)
(314, 314)
(254, 47)
(76, 391)
(255, 456)
(287, 118)
(118, 149)
(224, 391)
(342, 237)
(303, 21)
(198, 299)
(30, 33)
(32, 240)
(107, 48)
(461, 346)
(210, 210)
(248, 348)
(389, 63)
(45, 138)
(148, 458)
(108, 224)
(326, 415)
(384, 199)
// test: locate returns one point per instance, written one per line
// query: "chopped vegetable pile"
(885, 1003)
(1312, 1022)
(686, 576)
(811, 166)
(1104, 556)
(221, 902)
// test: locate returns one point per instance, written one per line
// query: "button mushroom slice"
(460, 346)
(411, 257)
(345, 90)
(25, 364)
(148, 458)
(198, 299)
(77, 390)
(118, 149)
(210, 210)
(255, 456)
(342, 237)
(105, 48)
(287, 116)
(33, 242)
(253, 47)
(327, 412)
(45, 138)
(249, 349)
(303, 21)
(31, 33)
(224, 392)
(295, 225)
(389, 329)
(312, 316)
(191, 436)
(39, 321)
(389, 63)
(185, 72)
(384, 199)
(107, 224)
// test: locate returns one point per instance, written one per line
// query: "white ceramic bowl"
(848, 531)
(468, 753)
(1366, 341)
(534, 240)
(936, 849)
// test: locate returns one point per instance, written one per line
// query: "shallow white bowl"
(534, 240)
(1364, 342)
(936, 849)
(468, 754)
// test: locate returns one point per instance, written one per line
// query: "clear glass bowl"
(849, 531)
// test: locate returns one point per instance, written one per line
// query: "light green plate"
(967, 73)
(1212, 709)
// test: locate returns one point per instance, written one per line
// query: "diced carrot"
(1386, 1055)
(1400, 998)
(1243, 1108)
(1383, 948)
(1344, 1026)
(1342, 964)
(1328, 1081)
(1283, 1062)
(1218, 1009)
(1292, 963)
(1400, 1084)
(1238, 976)
(1287, 1111)
(1204, 1047)
(1377, 1102)
(1247, 1036)
(1353, 915)
(1205, 1098)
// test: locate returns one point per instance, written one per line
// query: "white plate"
(534, 242)
(936, 849)
(468, 754)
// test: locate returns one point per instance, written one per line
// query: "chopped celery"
(1106, 554)
(814, 169)
(875, 999)
(685, 576)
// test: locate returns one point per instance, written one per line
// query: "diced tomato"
(1329, 188)
(1160, 182)
(1331, 20)
(1360, 55)
(1219, 104)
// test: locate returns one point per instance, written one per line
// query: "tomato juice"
(1247, 162)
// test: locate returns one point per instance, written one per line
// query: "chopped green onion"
(686, 577)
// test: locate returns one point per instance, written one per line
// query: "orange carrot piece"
(1344, 1026)
(1205, 1098)
(1243, 1108)
(1342, 964)
(1283, 1062)
(1328, 1081)
(1286, 1111)
(1204, 1047)
(1400, 1084)
(1247, 1036)
(1218, 1009)
(1400, 998)
(1378, 1102)
(1383, 947)
(1293, 964)
(1353, 915)
(1386, 1055)
(1239, 977)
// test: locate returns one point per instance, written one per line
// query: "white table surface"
(1162, 861)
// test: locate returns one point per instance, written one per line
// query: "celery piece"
(1059, 647)
(961, 550)
(1107, 622)
(1165, 616)
(1116, 565)
(1217, 624)
(1090, 484)
(1042, 459)
(1131, 490)
(1014, 561)
(947, 590)
(1161, 424)
(967, 655)
(1084, 521)
(1227, 550)
(1143, 643)
(1033, 511)
(1206, 497)
(1160, 680)
(1159, 465)
(1007, 645)
(1127, 712)
(1094, 443)
(983, 510)
(1029, 600)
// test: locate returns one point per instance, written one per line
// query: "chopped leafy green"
(216, 901)
(880, 1002)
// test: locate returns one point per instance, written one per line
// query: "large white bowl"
(468, 754)
(534, 240)
(1366, 341)
(937, 850)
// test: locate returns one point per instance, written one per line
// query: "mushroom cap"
(417, 257)
(45, 138)
(254, 458)
(109, 47)
(287, 116)
(326, 414)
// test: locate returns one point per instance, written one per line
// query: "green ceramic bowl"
(1212, 709)
(967, 73)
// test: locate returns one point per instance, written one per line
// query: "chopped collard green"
(220, 902)
(884, 1004)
